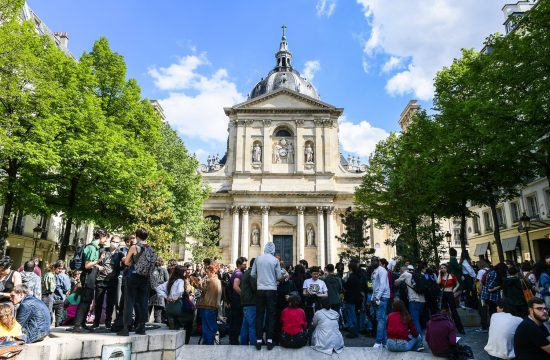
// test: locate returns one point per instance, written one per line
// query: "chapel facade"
(282, 178)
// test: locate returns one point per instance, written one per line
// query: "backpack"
(432, 289)
(145, 261)
(77, 262)
(419, 284)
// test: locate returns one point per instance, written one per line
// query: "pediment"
(283, 223)
(284, 99)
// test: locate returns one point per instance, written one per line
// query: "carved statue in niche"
(309, 154)
(310, 236)
(283, 152)
(257, 153)
(255, 236)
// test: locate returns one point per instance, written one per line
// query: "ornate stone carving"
(310, 236)
(308, 152)
(283, 152)
(257, 153)
(320, 209)
(265, 210)
(300, 209)
(234, 209)
(245, 209)
(267, 122)
(255, 236)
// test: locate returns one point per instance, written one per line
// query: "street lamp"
(36, 234)
(448, 237)
(525, 223)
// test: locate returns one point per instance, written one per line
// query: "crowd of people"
(263, 303)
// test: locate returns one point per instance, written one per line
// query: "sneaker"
(258, 345)
(420, 348)
(377, 346)
(482, 331)
(269, 345)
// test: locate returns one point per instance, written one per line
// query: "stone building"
(282, 178)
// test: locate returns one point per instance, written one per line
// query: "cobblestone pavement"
(475, 340)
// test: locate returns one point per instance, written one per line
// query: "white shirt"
(178, 288)
(467, 269)
(406, 277)
(315, 286)
(501, 335)
(480, 273)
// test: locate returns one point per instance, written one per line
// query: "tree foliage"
(355, 236)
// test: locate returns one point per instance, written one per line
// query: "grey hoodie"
(267, 269)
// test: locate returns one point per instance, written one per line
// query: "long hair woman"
(402, 334)
(449, 288)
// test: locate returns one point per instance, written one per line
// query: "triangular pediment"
(283, 223)
(284, 99)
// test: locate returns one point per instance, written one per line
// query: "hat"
(410, 267)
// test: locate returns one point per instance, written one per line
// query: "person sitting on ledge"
(33, 314)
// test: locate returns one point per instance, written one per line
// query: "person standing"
(450, 287)
(490, 291)
(531, 337)
(334, 287)
(416, 300)
(62, 289)
(380, 298)
(500, 344)
(236, 307)
(513, 291)
(209, 302)
(137, 285)
(352, 299)
(90, 258)
(313, 290)
(107, 282)
(266, 270)
(248, 303)
(157, 303)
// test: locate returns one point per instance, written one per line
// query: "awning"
(481, 249)
(510, 244)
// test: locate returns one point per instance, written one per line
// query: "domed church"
(282, 178)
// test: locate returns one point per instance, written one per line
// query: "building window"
(532, 206)
(18, 223)
(456, 236)
(477, 229)
(487, 221)
(501, 218)
(514, 211)
(283, 133)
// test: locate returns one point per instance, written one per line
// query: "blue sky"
(368, 56)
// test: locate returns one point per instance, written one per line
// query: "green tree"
(207, 246)
(31, 98)
(355, 236)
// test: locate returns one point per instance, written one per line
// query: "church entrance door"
(283, 247)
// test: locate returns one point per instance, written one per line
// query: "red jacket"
(440, 334)
(398, 330)
(293, 320)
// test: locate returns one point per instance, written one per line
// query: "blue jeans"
(416, 308)
(381, 317)
(404, 345)
(209, 325)
(248, 328)
(351, 318)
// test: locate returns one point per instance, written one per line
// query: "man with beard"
(530, 340)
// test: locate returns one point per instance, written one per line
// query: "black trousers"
(136, 294)
(449, 300)
(265, 305)
(105, 291)
(236, 321)
(86, 298)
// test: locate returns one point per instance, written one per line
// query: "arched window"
(283, 133)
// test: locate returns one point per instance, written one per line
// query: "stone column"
(235, 235)
(320, 237)
(331, 239)
(265, 227)
(245, 233)
(318, 154)
(300, 251)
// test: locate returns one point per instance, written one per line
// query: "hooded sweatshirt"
(267, 269)
(440, 334)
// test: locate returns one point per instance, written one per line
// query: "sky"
(369, 57)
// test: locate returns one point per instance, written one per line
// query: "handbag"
(527, 292)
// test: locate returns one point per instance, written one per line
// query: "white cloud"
(310, 68)
(429, 34)
(393, 63)
(325, 7)
(194, 105)
(360, 138)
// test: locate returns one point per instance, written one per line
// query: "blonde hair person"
(9, 327)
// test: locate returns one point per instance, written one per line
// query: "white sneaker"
(376, 346)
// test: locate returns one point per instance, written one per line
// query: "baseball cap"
(410, 267)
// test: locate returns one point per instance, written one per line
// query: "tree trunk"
(67, 234)
(463, 226)
(434, 242)
(8, 206)
(496, 230)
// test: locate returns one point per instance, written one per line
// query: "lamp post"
(36, 234)
(525, 223)
(448, 237)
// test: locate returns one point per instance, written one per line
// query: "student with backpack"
(416, 287)
(89, 266)
(141, 259)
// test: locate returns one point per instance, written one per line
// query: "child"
(71, 304)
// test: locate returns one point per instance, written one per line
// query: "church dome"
(284, 76)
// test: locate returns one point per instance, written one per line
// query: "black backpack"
(77, 262)
(420, 284)
(432, 288)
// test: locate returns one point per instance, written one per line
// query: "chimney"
(63, 39)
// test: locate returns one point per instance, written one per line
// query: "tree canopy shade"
(78, 139)
(355, 237)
